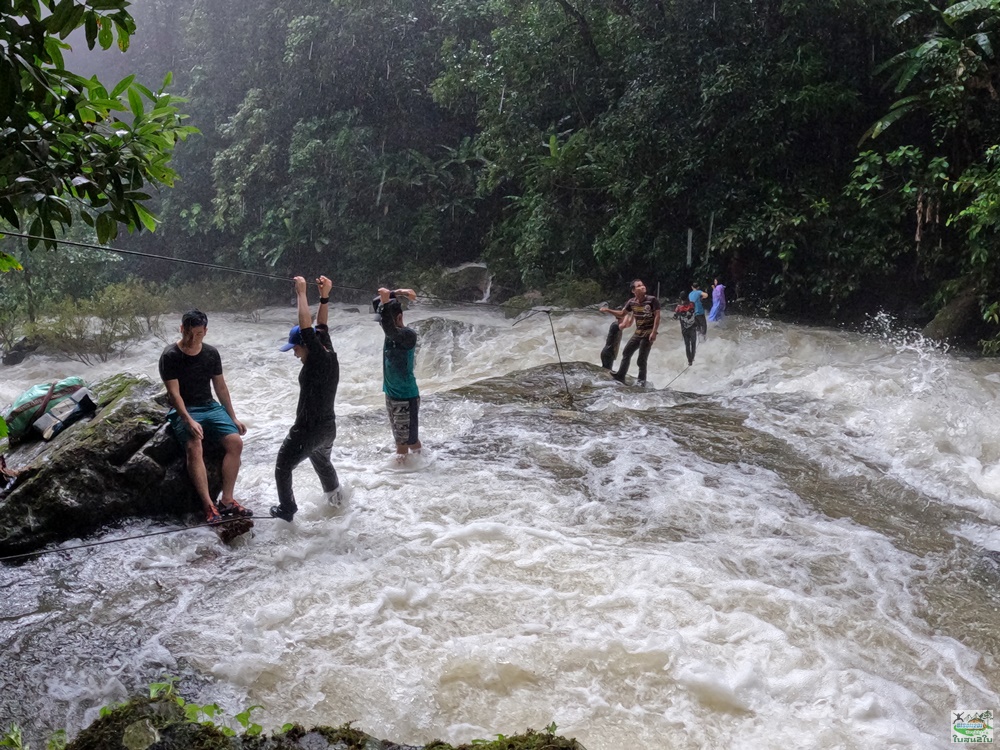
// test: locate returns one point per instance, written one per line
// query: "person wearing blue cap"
(402, 398)
(315, 427)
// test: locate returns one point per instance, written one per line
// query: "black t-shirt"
(193, 374)
(318, 379)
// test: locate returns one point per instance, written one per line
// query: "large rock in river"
(121, 463)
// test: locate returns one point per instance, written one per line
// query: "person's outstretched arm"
(405, 337)
(408, 293)
(617, 313)
(305, 314)
(325, 285)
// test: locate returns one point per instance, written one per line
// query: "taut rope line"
(130, 538)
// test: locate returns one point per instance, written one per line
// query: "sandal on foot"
(234, 509)
(212, 518)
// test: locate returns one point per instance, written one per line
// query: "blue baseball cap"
(294, 339)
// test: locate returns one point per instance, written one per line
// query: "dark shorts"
(214, 420)
(404, 419)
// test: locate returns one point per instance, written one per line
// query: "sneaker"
(285, 515)
(335, 497)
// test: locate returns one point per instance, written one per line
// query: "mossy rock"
(122, 463)
(160, 724)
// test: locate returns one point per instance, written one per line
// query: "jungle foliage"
(820, 155)
(65, 151)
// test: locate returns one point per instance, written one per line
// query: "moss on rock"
(122, 463)
(161, 724)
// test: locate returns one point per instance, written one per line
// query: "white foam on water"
(612, 576)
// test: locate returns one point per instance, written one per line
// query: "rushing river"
(794, 545)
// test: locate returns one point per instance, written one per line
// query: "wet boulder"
(469, 282)
(959, 320)
(121, 463)
(18, 351)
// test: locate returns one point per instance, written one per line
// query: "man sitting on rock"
(190, 369)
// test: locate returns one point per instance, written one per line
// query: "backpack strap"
(41, 407)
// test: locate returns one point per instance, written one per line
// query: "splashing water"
(795, 545)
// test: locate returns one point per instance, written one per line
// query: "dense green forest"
(823, 157)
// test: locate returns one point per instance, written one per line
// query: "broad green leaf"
(146, 92)
(54, 48)
(7, 212)
(58, 22)
(983, 40)
(907, 74)
(75, 19)
(105, 36)
(123, 84)
(9, 263)
(135, 102)
(959, 10)
(91, 27)
(148, 220)
(107, 227)
(899, 110)
(87, 114)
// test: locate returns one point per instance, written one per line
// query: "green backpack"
(35, 401)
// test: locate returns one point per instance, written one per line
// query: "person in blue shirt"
(402, 398)
(696, 298)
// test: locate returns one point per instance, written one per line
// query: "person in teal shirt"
(696, 297)
(402, 398)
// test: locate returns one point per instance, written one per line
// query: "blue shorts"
(214, 420)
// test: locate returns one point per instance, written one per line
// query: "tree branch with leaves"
(69, 146)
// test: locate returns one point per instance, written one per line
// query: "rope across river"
(288, 279)
(526, 312)
(36, 553)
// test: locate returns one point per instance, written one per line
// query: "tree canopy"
(819, 156)
(68, 146)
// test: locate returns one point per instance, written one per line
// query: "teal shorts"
(214, 420)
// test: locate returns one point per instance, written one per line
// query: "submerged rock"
(122, 463)
(160, 724)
